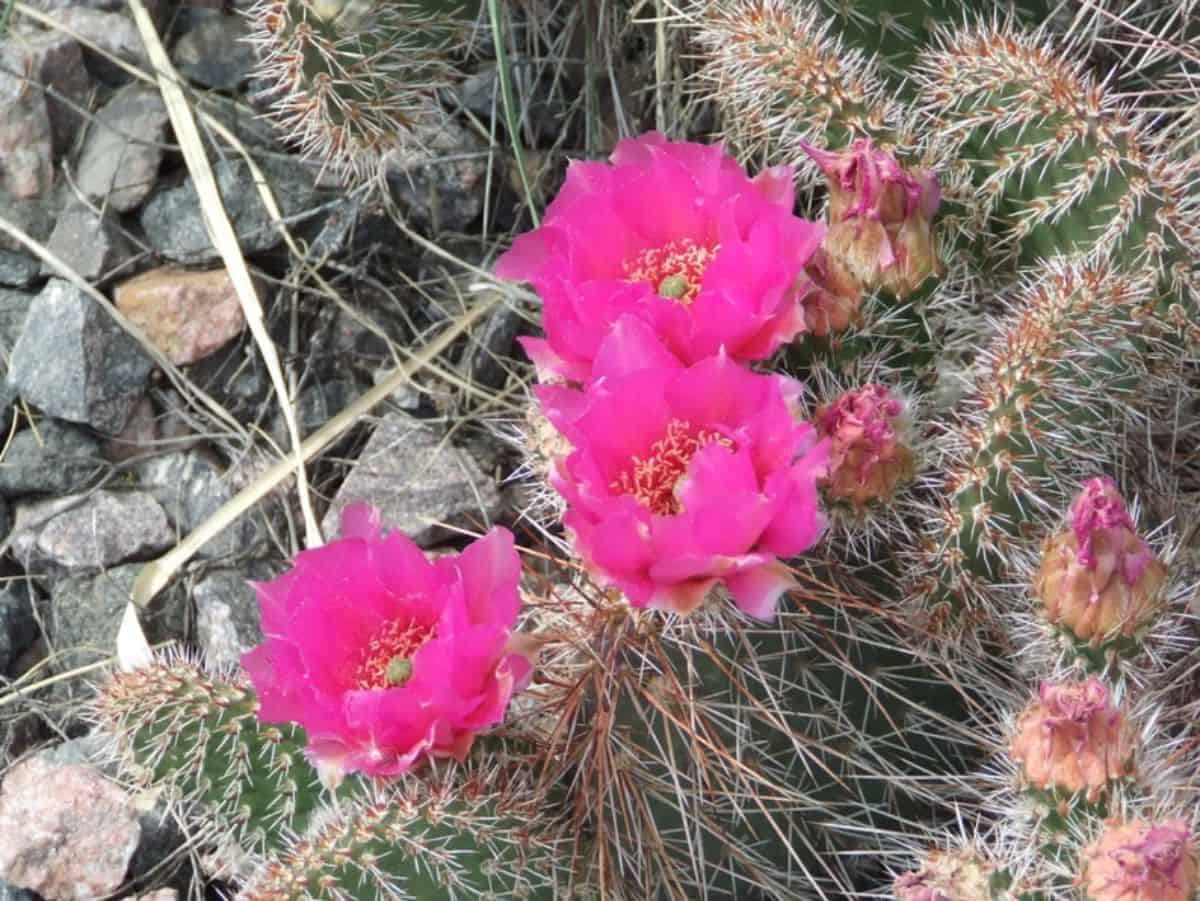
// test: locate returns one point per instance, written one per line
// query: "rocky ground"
(113, 449)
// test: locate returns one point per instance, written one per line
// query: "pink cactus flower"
(880, 217)
(384, 656)
(1141, 861)
(685, 476)
(677, 234)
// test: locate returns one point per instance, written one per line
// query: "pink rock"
(66, 832)
(163, 894)
(186, 315)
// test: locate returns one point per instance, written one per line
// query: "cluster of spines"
(450, 835)
(1057, 164)
(198, 732)
(1061, 379)
(454, 831)
(715, 757)
(783, 80)
(351, 81)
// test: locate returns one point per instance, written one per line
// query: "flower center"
(675, 270)
(652, 479)
(387, 659)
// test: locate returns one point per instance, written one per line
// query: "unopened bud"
(880, 218)
(1140, 861)
(869, 454)
(832, 302)
(1099, 579)
(959, 875)
(1073, 739)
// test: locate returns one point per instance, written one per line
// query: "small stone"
(112, 32)
(85, 614)
(55, 62)
(246, 123)
(137, 438)
(163, 894)
(93, 246)
(315, 406)
(52, 458)
(186, 315)
(35, 216)
(18, 628)
(214, 52)
(488, 357)
(10, 892)
(191, 487)
(227, 618)
(439, 177)
(18, 270)
(90, 531)
(66, 832)
(14, 308)
(175, 226)
(122, 151)
(75, 363)
(26, 141)
(416, 478)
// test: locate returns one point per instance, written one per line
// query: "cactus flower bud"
(1140, 861)
(959, 875)
(832, 304)
(1099, 579)
(880, 217)
(1073, 739)
(869, 457)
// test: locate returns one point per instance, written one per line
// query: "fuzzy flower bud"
(880, 217)
(833, 302)
(869, 457)
(1073, 739)
(1141, 861)
(1099, 579)
(959, 875)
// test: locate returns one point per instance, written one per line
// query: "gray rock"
(122, 152)
(111, 31)
(10, 892)
(75, 363)
(227, 617)
(416, 478)
(14, 307)
(487, 358)
(191, 487)
(90, 531)
(26, 139)
(18, 270)
(18, 628)
(35, 216)
(94, 246)
(315, 406)
(53, 458)
(247, 123)
(175, 227)
(213, 52)
(85, 613)
(439, 178)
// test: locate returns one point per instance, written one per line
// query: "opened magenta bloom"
(384, 656)
(676, 234)
(686, 476)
